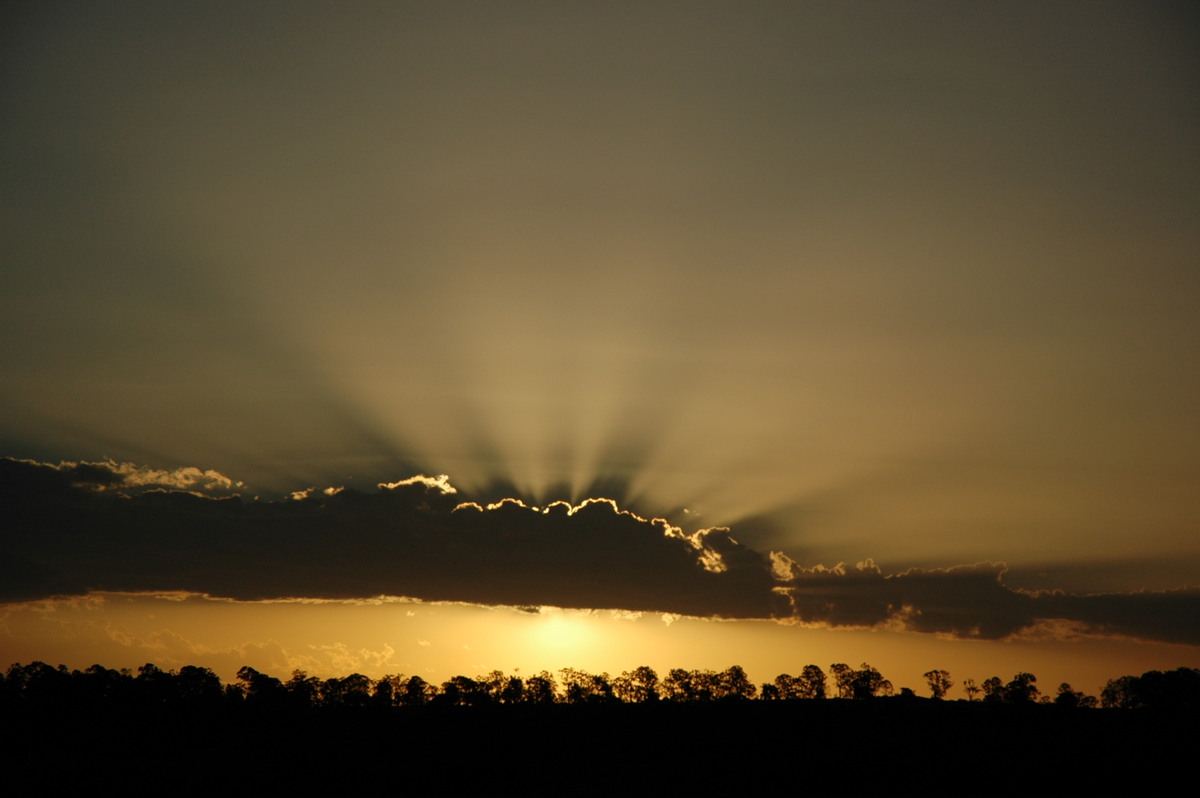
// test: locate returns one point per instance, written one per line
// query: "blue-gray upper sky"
(916, 282)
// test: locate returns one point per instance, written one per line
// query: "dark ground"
(873, 747)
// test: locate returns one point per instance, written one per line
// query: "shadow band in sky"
(80, 527)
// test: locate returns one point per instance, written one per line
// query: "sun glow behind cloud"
(562, 634)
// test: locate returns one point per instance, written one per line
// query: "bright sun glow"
(557, 633)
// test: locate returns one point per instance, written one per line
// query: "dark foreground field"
(832, 747)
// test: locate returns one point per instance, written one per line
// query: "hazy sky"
(914, 282)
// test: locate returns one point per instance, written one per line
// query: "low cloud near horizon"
(75, 528)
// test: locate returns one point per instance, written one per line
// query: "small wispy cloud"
(128, 478)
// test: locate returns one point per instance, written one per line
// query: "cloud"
(411, 538)
(130, 478)
(441, 482)
(966, 601)
(73, 528)
(340, 658)
(1169, 615)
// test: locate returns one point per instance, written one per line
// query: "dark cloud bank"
(80, 527)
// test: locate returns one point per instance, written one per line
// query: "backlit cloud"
(108, 474)
(74, 528)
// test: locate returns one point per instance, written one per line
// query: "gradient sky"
(909, 282)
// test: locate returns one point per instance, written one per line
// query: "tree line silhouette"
(193, 686)
(835, 731)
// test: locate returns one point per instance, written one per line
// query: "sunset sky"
(873, 321)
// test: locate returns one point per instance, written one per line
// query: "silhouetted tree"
(105, 685)
(1071, 698)
(154, 685)
(40, 682)
(417, 692)
(463, 691)
(809, 684)
(260, 688)
(784, 688)
(387, 690)
(356, 690)
(733, 684)
(684, 685)
(677, 686)
(198, 686)
(812, 682)
(1118, 693)
(541, 689)
(492, 685)
(1021, 690)
(868, 683)
(512, 690)
(582, 687)
(638, 686)
(1178, 689)
(328, 692)
(843, 677)
(303, 690)
(939, 683)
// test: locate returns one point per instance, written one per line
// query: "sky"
(874, 323)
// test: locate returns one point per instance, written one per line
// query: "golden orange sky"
(437, 641)
(911, 285)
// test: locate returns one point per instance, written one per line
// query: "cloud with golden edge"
(416, 537)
